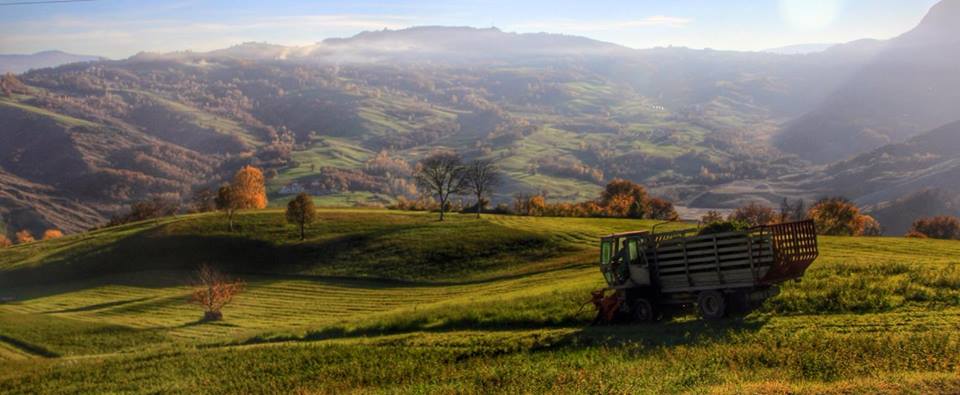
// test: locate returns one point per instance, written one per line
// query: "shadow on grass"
(100, 306)
(667, 333)
(377, 252)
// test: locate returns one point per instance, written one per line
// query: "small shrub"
(51, 234)
(212, 290)
(5, 242)
(24, 237)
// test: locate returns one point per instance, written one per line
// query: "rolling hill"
(373, 302)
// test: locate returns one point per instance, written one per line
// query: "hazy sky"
(120, 28)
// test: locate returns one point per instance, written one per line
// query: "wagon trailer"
(722, 273)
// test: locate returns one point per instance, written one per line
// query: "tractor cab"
(622, 259)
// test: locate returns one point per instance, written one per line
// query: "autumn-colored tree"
(51, 234)
(246, 191)
(24, 237)
(943, 227)
(871, 227)
(838, 216)
(248, 188)
(212, 290)
(442, 175)
(4, 241)
(537, 205)
(662, 209)
(301, 212)
(624, 198)
(754, 214)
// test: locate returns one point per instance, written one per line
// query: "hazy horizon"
(118, 29)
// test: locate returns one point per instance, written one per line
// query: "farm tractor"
(721, 274)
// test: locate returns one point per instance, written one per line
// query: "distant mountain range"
(912, 85)
(22, 63)
(799, 49)
(347, 118)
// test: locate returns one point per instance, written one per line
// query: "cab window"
(606, 248)
(632, 250)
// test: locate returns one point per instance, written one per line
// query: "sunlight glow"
(809, 14)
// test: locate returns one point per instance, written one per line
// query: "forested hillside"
(347, 119)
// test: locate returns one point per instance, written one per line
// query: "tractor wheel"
(712, 305)
(738, 303)
(642, 311)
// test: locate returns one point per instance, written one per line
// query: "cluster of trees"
(835, 216)
(443, 174)
(942, 227)
(619, 199)
(24, 237)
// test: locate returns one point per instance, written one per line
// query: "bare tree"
(480, 177)
(441, 173)
(212, 290)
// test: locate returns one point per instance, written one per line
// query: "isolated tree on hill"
(5, 242)
(301, 212)
(51, 234)
(246, 191)
(943, 227)
(481, 176)
(249, 188)
(442, 175)
(838, 216)
(755, 214)
(212, 290)
(24, 237)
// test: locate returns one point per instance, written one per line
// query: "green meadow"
(378, 301)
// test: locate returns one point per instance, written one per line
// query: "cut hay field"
(379, 301)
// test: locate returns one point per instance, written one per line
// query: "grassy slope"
(393, 308)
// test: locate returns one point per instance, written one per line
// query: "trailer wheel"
(712, 305)
(643, 311)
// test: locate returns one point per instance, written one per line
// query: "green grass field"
(381, 301)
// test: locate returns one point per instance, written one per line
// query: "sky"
(121, 28)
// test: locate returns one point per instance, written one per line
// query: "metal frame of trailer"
(742, 268)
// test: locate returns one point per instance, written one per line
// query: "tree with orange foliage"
(623, 198)
(5, 242)
(246, 191)
(838, 216)
(51, 234)
(24, 237)
(212, 290)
